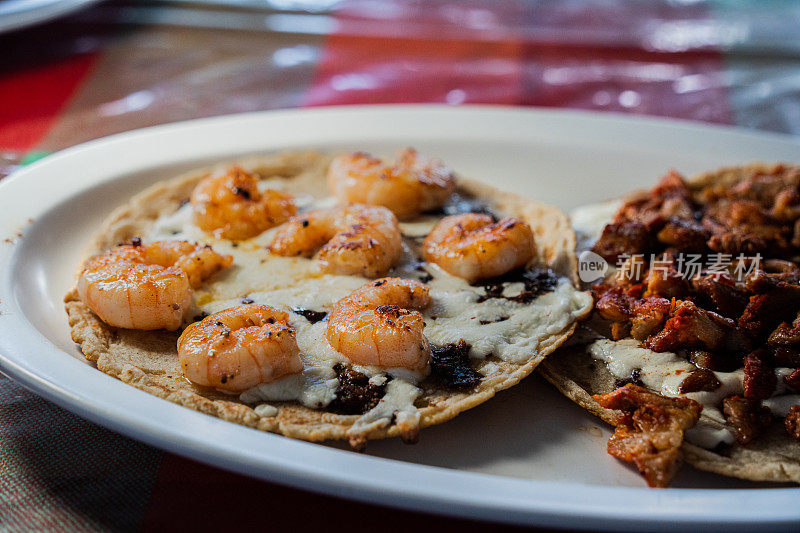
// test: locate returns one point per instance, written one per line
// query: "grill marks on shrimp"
(473, 247)
(350, 239)
(150, 286)
(239, 348)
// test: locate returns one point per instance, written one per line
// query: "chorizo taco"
(693, 347)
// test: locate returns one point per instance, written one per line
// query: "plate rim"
(25, 18)
(513, 507)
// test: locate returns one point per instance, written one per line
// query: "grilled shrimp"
(239, 348)
(231, 206)
(380, 324)
(147, 286)
(348, 239)
(473, 247)
(411, 185)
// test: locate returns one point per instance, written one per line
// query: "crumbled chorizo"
(691, 327)
(785, 334)
(732, 242)
(766, 310)
(781, 266)
(626, 238)
(672, 185)
(786, 357)
(761, 282)
(666, 283)
(792, 380)
(650, 430)
(685, 235)
(716, 361)
(644, 211)
(747, 418)
(620, 330)
(671, 198)
(792, 422)
(720, 293)
(613, 303)
(648, 315)
(759, 376)
(786, 205)
(699, 380)
(757, 188)
(796, 234)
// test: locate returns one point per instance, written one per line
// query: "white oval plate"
(528, 456)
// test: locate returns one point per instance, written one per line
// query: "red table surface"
(123, 65)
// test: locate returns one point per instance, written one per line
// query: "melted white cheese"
(664, 371)
(510, 330)
(178, 226)
(420, 227)
(588, 221)
(265, 410)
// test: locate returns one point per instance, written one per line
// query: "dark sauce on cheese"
(460, 203)
(535, 282)
(309, 314)
(450, 367)
(355, 394)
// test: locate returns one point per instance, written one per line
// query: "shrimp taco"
(693, 348)
(246, 292)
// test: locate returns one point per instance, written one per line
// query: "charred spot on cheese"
(535, 282)
(424, 275)
(494, 320)
(309, 314)
(450, 368)
(460, 203)
(635, 379)
(415, 268)
(356, 394)
(247, 300)
(419, 270)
